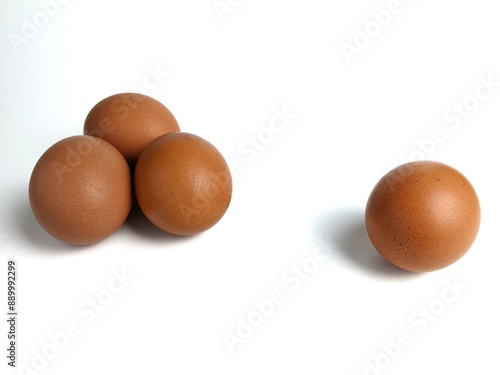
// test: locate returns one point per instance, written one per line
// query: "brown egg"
(183, 184)
(80, 190)
(129, 122)
(423, 216)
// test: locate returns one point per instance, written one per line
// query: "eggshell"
(80, 190)
(423, 216)
(129, 122)
(183, 184)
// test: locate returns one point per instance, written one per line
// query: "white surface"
(226, 78)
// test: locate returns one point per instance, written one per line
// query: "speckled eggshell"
(129, 122)
(80, 190)
(183, 184)
(423, 216)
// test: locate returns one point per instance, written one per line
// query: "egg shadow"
(344, 234)
(140, 225)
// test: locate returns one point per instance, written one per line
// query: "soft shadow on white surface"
(343, 231)
(139, 224)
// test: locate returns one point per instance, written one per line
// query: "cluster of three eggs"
(83, 187)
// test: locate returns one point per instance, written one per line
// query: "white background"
(224, 76)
